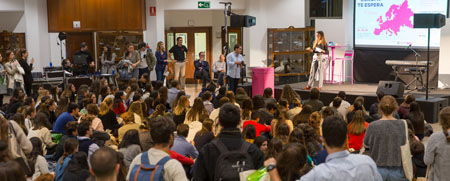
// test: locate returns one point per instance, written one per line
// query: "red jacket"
(259, 127)
(356, 141)
(119, 109)
(182, 159)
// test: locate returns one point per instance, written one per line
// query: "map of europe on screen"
(397, 16)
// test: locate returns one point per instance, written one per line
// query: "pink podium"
(262, 78)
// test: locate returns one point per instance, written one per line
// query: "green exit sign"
(204, 4)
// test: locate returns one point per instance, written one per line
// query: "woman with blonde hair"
(194, 113)
(280, 117)
(41, 94)
(180, 110)
(108, 117)
(161, 61)
(128, 124)
(320, 47)
(136, 109)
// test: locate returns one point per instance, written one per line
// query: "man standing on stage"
(234, 65)
(179, 51)
(202, 69)
(89, 60)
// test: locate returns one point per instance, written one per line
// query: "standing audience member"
(130, 146)
(22, 56)
(219, 69)
(314, 101)
(383, 140)
(148, 59)
(36, 158)
(14, 70)
(417, 118)
(234, 64)
(78, 168)
(161, 61)
(403, 109)
(105, 165)
(162, 129)
(108, 60)
(437, 152)
(133, 56)
(181, 145)
(3, 75)
(229, 137)
(179, 56)
(65, 117)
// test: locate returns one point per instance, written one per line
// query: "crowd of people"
(144, 130)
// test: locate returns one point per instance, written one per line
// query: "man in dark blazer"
(202, 69)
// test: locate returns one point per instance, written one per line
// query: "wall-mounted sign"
(204, 4)
(152, 10)
(76, 25)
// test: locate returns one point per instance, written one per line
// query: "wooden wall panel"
(96, 15)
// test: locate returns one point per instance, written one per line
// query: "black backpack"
(230, 163)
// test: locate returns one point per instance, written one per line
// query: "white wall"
(11, 5)
(339, 31)
(444, 57)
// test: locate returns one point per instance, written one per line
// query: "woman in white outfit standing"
(320, 47)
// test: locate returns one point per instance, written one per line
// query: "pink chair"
(348, 56)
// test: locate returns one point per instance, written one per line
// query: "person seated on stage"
(202, 69)
(314, 101)
(219, 69)
(89, 60)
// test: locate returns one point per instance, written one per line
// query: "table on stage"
(333, 59)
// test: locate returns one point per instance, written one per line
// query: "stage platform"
(438, 98)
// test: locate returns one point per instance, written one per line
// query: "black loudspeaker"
(392, 88)
(242, 21)
(432, 107)
(429, 20)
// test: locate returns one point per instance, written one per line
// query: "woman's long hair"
(281, 117)
(158, 47)
(297, 136)
(136, 107)
(322, 40)
(131, 137)
(105, 106)
(175, 102)
(289, 94)
(207, 127)
(62, 105)
(283, 132)
(40, 121)
(160, 110)
(444, 120)
(358, 125)
(291, 160)
(315, 120)
(274, 147)
(197, 109)
(19, 118)
(117, 99)
(249, 132)
(247, 107)
(181, 105)
(303, 116)
(35, 152)
(108, 53)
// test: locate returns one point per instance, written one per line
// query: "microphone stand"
(416, 78)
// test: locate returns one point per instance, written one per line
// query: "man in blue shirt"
(181, 146)
(65, 117)
(340, 164)
(234, 65)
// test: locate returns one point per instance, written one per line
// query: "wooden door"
(234, 36)
(74, 40)
(196, 39)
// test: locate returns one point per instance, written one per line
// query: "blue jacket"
(59, 170)
(60, 123)
(160, 64)
(197, 65)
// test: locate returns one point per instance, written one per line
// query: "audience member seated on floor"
(230, 139)
(344, 103)
(12, 171)
(437, 152)
(268, 96)
(70, 147)
(60, 124)
(40, 131)
(315, 121)
(303, 116)
(314, 101)
(417, 118)
(373, 110)
(207, 98)
(267, 113)
(181, 145)
(104, 164)
(357, 107)
(403, 109)
(36, 158)
(340, 164)
(86, 145)
(205, 135)
(261, 142)
(290, 95)
(130, 146)
(297, 108)
(255, 121)
(108, 117)
(241, 95)
(280, 117)
(128, 124)
(162, 129)
(289, 164)
(173, 92)
(383, 140)
(312, 140)
(249, 133)
(356, 131)
(246, 110)
(180, 109)
(78, 168)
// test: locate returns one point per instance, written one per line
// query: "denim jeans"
(232, 84)
(160, 75)
(220, 78)
(392, 173)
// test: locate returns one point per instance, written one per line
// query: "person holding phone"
(320, 47)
